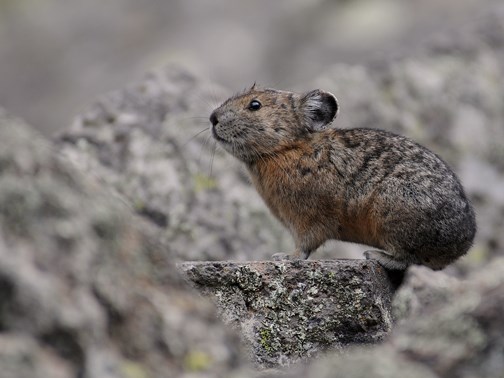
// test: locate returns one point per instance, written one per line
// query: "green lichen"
(131, 369)
(197, 360)
(138, 204)
(265, 339)
(203, 182)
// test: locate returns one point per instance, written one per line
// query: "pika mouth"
(217, 137)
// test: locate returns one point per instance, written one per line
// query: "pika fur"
(360, 185)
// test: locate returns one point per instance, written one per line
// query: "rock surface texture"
(290, 311)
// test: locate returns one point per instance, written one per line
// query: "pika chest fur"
(359, 185)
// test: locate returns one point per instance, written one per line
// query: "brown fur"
(362, 185)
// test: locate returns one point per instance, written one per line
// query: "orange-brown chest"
(296, 191)
(278, 182)
(304, 197)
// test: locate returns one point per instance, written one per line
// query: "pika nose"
(213, 118)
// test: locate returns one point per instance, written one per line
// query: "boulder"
(290, 311)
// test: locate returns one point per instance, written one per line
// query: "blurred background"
(56, 56)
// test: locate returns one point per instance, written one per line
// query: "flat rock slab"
(288, 311)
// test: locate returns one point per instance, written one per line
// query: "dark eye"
(254, 105)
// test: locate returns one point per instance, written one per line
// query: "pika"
(360, 185)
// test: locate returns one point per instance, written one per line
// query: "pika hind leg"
(305, 245)
(386, 260)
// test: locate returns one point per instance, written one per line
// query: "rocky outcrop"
(86, 287)
(290, 311)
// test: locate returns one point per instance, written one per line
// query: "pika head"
(263, 122)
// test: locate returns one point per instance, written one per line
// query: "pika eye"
(254, 105)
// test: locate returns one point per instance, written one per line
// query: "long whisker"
(195, 135)
(197, 117)
(207, 139)
(212, 158)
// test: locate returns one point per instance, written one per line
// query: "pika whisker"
(212, 158)
(195, 136)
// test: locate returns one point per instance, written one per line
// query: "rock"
(86, 288)
(22, 356)
(421, 288)
(379, 362)
(290, 311)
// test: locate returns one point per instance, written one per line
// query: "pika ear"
(319, 108)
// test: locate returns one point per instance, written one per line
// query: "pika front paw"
(281, 257)
(296, 255)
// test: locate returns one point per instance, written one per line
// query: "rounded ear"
(319, 108)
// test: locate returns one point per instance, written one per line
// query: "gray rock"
(21, 356)
(290, 311)
(379, 362)
(86, 288)
(421, 288)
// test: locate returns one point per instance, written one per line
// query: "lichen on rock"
(292, 310)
